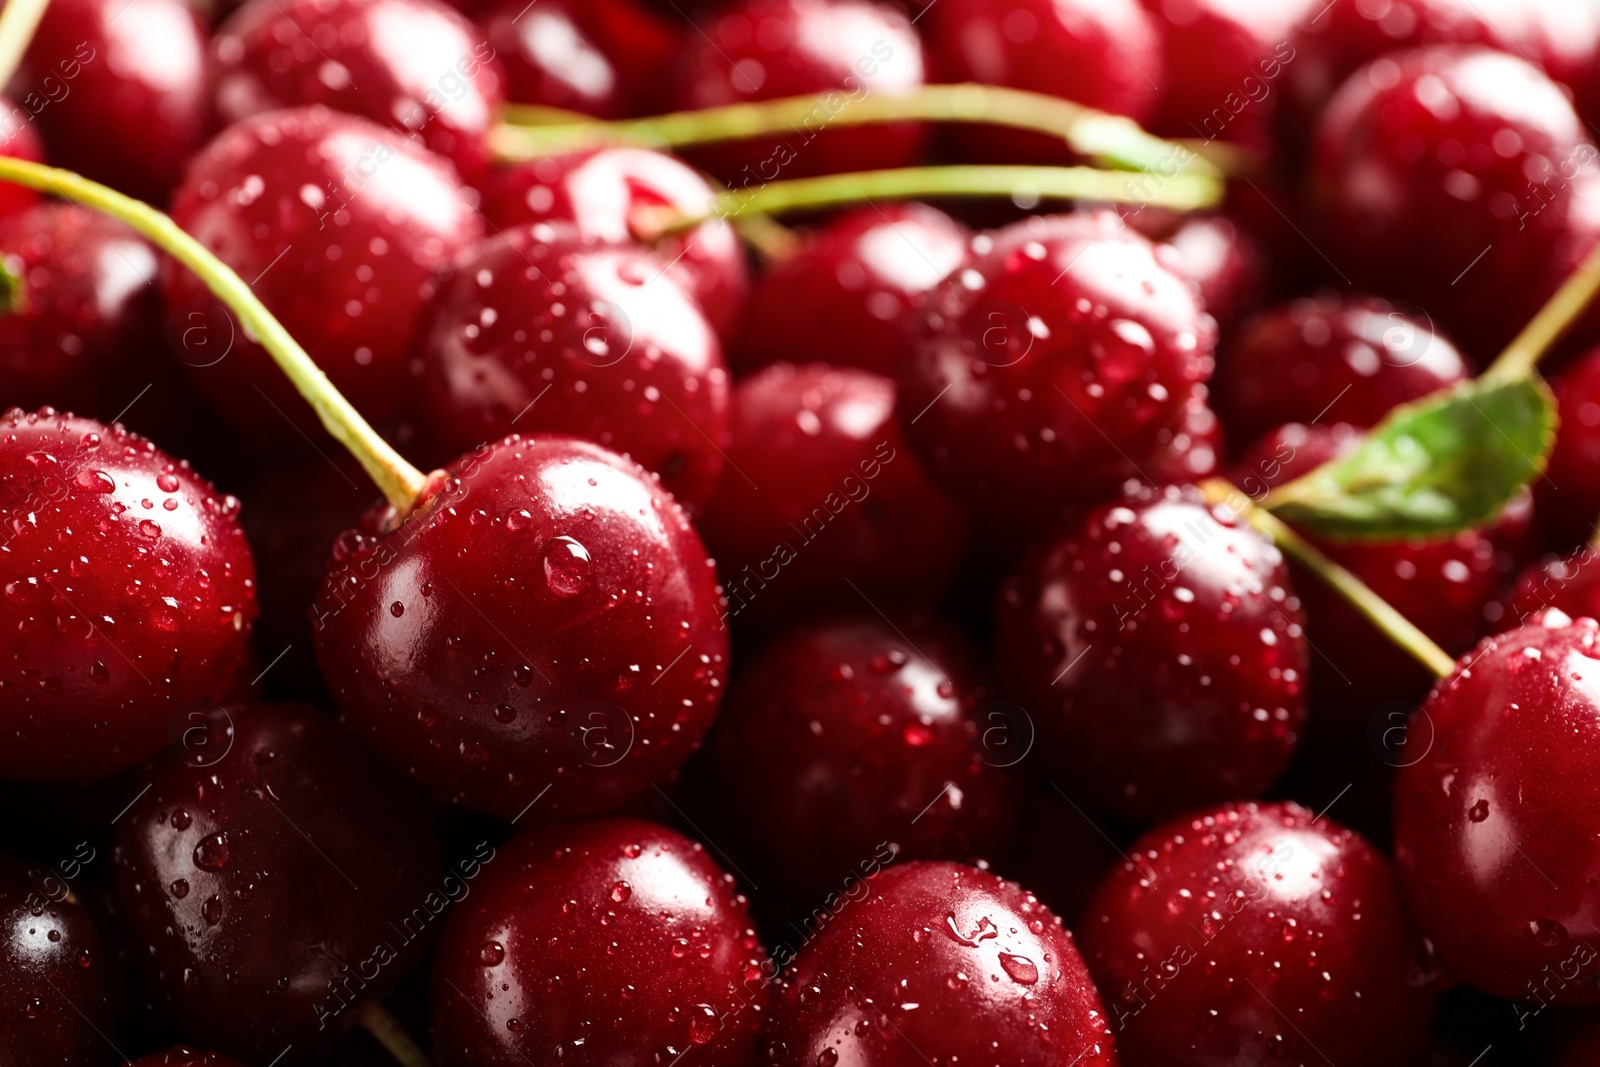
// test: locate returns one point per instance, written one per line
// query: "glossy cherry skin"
(821, 492)
(128, 592)
(183, 1056)
(1159, 649)
(766, 49)
(1060, 363)
(545, 626)
(607, 195)
(1342, 358)
(1226, 264)
(851, 291)
(278, 819)
(20, 140)
(1256, 933)
(547, 334)
(62, 994)
(362, 222)
(616, 942)
(552, 57)
(418, 66)
(1492, 839)
(1568, 497)
(863, 734)
(937, 962)
(1570, 584)
(111, 106)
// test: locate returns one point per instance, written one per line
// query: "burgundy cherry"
(609, 194)
(617, 942)
(1570, 584)
(112, 106)
(939, 963)
(62, 997)
(820, 493)
(128, 593)
(20, 140)
(1257, 934)
(1567, 498)
(271, 817)
(546, 334)
(863, 734)
(851, 290)
(339, 227)
(416, 65)
(1344, 358)
(766, 49)
(1159, 648)
(1227, 266)
(544, 628)
(1492, 828)
(184, 1056)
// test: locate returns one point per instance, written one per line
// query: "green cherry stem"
(399, 481)
(18, 20)
(387, 1031)
(1522, 355)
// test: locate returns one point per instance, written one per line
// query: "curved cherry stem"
(1399, 629)
(387, 1031)
(1530, 345)
(18, 20)
(399, 481)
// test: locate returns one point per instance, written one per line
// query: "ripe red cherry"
(851, 290)
(1568, 497)
(1061, 361)
(126, 589)
(340, 227)
(866, 735)
(1344, 358)
(547, 334)
(62, 996)
(418, 66)
(616, 942)
(1492, 839)
(183, 1056)
(608, 194)
(1227, 266)
(940, 963)
(821, 492)
(19, 140)
(1570, 584)
(110, 105)
(765, 49)
(1256, 934)
(1159, 650)
(544, 627)
(273, 816)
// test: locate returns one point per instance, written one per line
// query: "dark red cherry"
(418, 66)
(1444, 176)
(579, 55)
(850, 292)
(766, 49)
(62, 996)
(544, 629)
(617, 942)
(1225, 263)
(820, 493)
(1256, 933)
(1568, 496)
(184, 1056)
(273, 818)
(547, 334)
(1570, 584)
(1341, 358)
(1497, 860)
(608, 195)
(339, 226)
(110, 102)
(1159, 649)
(938, 963)
(20, 140)
(126, 590)
(1058, 364)
(863, 734)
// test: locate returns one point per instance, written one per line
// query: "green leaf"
(1443, 464)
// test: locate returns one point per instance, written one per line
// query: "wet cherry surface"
(1567, 499)
(551, 58)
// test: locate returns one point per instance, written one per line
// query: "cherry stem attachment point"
(1530, 345)
(387, 1031)
(18, 20)
(1399, 629)
(400, 482)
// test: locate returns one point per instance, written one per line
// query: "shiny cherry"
(547, 334)
(273, 817)
(850, 293)
(938, 963)
(112, 105)
(1224, 262)
(184, 1056)
(128, 593)
(20, 140)
(1159, 649)
(340, 227)
(542, 634)
(1492, 839)
(418, 66)
(1256, 933)
(1567, 498)
(616, 942)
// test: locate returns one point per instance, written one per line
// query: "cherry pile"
(947, 534)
